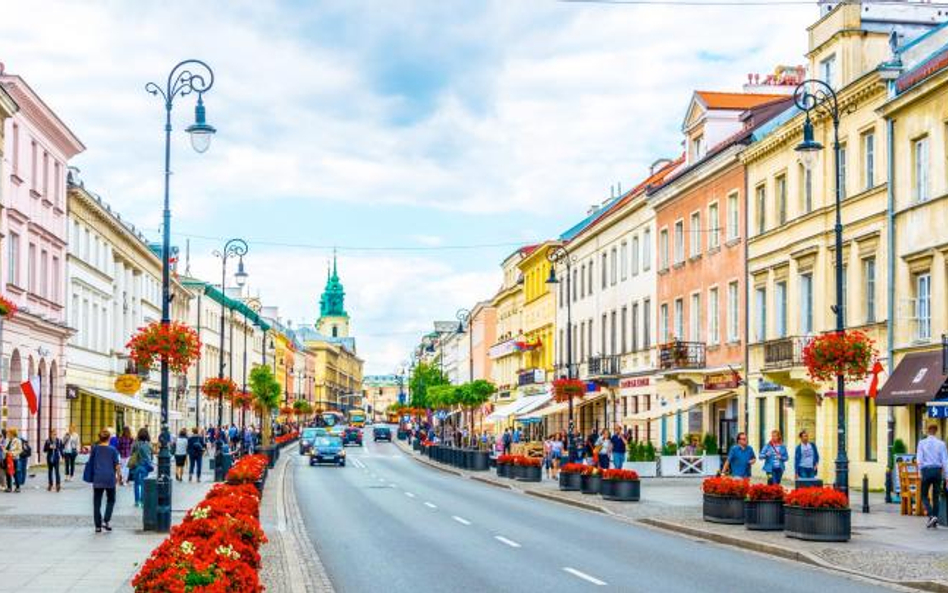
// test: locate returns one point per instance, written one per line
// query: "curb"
(569, 501)
(491, 482)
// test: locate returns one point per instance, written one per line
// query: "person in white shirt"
(932, 458)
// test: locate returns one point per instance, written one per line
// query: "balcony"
(784, 353)
(604, 366)
(681, 355)
(530, 377)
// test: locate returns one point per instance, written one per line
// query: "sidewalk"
(50, 544)
(885, 545)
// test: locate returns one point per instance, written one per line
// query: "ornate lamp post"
(189, 76)
(560, 255)
(816, 97)
(234, 247)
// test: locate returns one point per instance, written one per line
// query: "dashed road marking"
(431, 505)
(509, 542)
(409, 495)
(461, 520)
(584, 576)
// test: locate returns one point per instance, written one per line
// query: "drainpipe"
(890, 296)
(746, 311)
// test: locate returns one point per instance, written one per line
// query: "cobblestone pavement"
(885, 545)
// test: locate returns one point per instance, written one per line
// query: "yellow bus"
(357, 418)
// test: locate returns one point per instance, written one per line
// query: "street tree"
(266, 393)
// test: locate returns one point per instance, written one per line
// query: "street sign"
(937, 410)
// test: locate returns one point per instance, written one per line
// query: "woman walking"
(180, 454)
(604, 444)
(556, 454)
(775, 458)
(141, 462)
(53, 447)
(71, 447)
(11, 459)
(124, 446)
(103, 470)
(196, 448)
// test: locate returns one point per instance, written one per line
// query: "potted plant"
(620, 484)
(763, 509)
(641, 459)
(528, 469)
(504, 465)
(571, 475)
(724, 499)
(818, 514)
(591, 480)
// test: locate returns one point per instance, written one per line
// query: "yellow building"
(539, 315)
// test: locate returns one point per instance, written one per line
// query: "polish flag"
(31, 391)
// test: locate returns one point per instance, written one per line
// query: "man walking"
(932, 458)
(740, 458)
(506, 441)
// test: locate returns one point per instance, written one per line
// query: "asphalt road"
(388, 523)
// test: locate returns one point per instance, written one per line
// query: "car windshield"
(309, 433)
(328, 441)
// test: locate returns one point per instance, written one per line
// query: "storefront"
(918, 392)
(635, 398)
(92, 410)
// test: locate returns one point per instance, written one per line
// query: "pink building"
(37, 148)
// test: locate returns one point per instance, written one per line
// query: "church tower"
(333, 319)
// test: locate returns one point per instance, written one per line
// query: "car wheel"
(342, 464)
(312, 463)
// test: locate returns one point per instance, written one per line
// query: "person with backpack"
(103, 471)
(53, 448)
(11, 459)
(141, 463)
(196, 448)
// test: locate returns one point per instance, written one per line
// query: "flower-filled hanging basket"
(563, 389)
(849, 353)
(287, 410)
(175, 343)
(242, 400)
(215, 388)
(7, 308)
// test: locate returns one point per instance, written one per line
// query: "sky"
(424, 139)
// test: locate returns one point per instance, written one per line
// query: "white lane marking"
(509, 542)
(461, 520)
(409, 495)
(584, 576)
(430, 505)
(381, 479)
(393, 485)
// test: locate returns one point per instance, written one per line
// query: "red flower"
(725, 486)
(248, 469)
(758, 492)
(175, 343)
(849, 353)
(563, 389)
(524, 461)
(816, 498)
(573, 468)
(7, 308)
(620, 474)
(215, 388)
(286, 438)
(505, 459)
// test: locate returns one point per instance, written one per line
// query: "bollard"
(150, 505)
(865, 493)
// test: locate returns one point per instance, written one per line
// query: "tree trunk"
(265, 427)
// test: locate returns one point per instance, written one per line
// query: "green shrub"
(710, 444)
(670, 448)
(649, 452)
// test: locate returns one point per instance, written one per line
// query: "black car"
(381, 433)
(352, 436)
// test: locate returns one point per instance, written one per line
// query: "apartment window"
(679, 241)
(679, 319)
(869, 159)
(647, 250)
(663, 322)
(694, 318)
(582, 340)
(698, 146)
(624, 260)
(575, 284)
(806, 303)
(589, 272)
(870, 428)
(781, 189)
(806, 189)
(869, 275)
(842, 170)
(780, 307)
(761, 208)
(733, 217)
(733, 312)
(828, 70)
(605, 270)
(54, 293)
(613, 270)
(761, 422)
(582, 282)
(16, 149)
(635, 256)
(31, 268)
(34, 155)
(589, 337)
(635, 327)
(760, 330)
(713, 226)
(613, 334)
(44, 274)
(647, 323)
(695, 242)
(625, 329)
(923, 307)
(920, 156)
(57, 184)
(663, 248)
(45, 174)
(603, 327)
(713, 316)
(13, 264)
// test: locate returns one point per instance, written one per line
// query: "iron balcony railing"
(605, 366)
(681, 355)
(785, 352)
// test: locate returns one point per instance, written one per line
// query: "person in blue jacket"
(806, 457)
(775, 457)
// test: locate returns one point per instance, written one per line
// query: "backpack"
(27, 450)
(135, 458)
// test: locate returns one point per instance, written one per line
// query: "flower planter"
(645, 469)
(818, 525)
(590, 484)
(723, 509)
(529, 473)
(570, 482)
(763, 515)
(480, 461)
(503, 470)
(514, 472)
(621, 490)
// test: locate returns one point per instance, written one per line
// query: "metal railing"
(784, 352)
(681, 355)
(605, 366)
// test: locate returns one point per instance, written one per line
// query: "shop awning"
(553, 408)
(919, 378)
(514, 407)
(684, 404)
(120, 399)
(528, 413)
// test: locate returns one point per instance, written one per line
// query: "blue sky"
(385, 123)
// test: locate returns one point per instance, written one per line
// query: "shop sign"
(635, 382)
(937, 410)
(848, 392)
(128, 384)
(768, 386)
(717, 381)
(72, 392)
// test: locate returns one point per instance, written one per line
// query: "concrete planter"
(818, 525)
(570, 482)
(723, 509)
(645, 469)
(527, 473)
(480, 461)
(763, 515)
(621, 490)
(590, 484)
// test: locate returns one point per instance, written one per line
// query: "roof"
(737, 101)
(234, 305)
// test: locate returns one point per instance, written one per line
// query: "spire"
(335, 274)
(332, 301)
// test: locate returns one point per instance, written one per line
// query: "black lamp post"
(234, 247)
(464, 318)
(189, 76)
(817, 97)
(557, 255)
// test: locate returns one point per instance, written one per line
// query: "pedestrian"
(180, 454)
(11, 459)
(507, 441)
(103, 470)
(932, 458)
(141, 463)
(806, 457)
(124, 447)
(548, 456)
(26, 452)
(740, 458)
(196, 448)
(248, 441)
(775, 457)
(71, 448)
(53, 447)
(618, 448)
(604, 448)
(556, 454)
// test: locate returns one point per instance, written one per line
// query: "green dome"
(332, 302)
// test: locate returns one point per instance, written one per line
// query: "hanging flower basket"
(175, 343)
(849, 353)
(242, 400)
(563, 389)
(286, 410)
(7, 308)
(215, 388)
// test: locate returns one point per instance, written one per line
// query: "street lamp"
(557, 255)
(233, 247)
(182, 80)
(464, 318)
(817, 97)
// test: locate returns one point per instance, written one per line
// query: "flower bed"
(527, 468)
(286, 438)
(620, 485)
(249, 469)
(724, 500)
(763, 509)
(818, 514)
(504, 466)
(571, 476)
